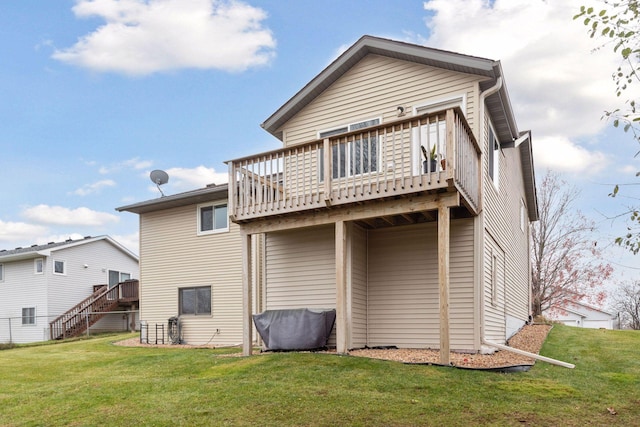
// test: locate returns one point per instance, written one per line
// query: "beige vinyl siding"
(375, 87)
(502, 228)
(403, 296)
(494, 303)
(300, 269)
(358, 294)
(173, 256)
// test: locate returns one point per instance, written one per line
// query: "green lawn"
(93, 382)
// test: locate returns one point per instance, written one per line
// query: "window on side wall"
(1, 272)
(523, 216)
(59, 267)
(38, 266)
(494, 158)
(195, 301)
(213, 218)
(494, 278)
(29, 316)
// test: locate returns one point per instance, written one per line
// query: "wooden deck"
(380, 162)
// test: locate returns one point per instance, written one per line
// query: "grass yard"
(93, 382)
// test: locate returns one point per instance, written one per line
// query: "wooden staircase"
(86, 313)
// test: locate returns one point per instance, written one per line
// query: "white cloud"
(561, 155)
(19, 231)
(94, 188)
(129, 241)
(558, 87)
(134, 163)
(146, 36)
(185, 179)
(58, 215)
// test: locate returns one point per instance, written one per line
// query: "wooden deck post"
(342, 322)
(247, 339)
(444, 222)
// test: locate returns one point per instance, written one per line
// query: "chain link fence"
(27, 329)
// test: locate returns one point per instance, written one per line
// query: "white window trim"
(2, 273)
(64, 267)
(442, 104)
(523, 217)
(35, 318)
(35, 266)
(214, 230)
(210, 314)
(494, 175)
(348, 127)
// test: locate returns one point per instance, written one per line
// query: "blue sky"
(96, 94)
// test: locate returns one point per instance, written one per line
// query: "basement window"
(195, 301)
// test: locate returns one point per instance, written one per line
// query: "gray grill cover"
(295, 329)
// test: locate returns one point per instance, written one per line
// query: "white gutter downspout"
(480, 241)
(526, 353)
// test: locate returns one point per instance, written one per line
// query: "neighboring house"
(582, 315)
(402, 198)
(41, 282)
(190, 266)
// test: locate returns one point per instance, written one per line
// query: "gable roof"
(202, 195)
(45, 250)
(574, 307)
(498, 104)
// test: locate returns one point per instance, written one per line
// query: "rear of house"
(402, 198)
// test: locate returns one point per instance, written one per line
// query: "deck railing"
(422, 153)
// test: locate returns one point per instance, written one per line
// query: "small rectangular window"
(195, 301)
(29, 316)
(38, 266)
(494, 279)
(212, 218)
(1, 272)
(494, 158)
(59, 267)
(523, 216)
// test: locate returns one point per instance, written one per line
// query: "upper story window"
(59, 267)
(38, 266)
(1, 272)
(494, 158)
(213, 218)
(358, 156)
(523, 216)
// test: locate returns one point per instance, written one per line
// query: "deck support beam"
(444, 231)
(342, 320)
(247, 330)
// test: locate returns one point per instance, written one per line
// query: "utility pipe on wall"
(532, 355)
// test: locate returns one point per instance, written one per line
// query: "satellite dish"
(159, 177)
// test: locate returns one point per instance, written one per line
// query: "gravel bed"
(530, 338)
